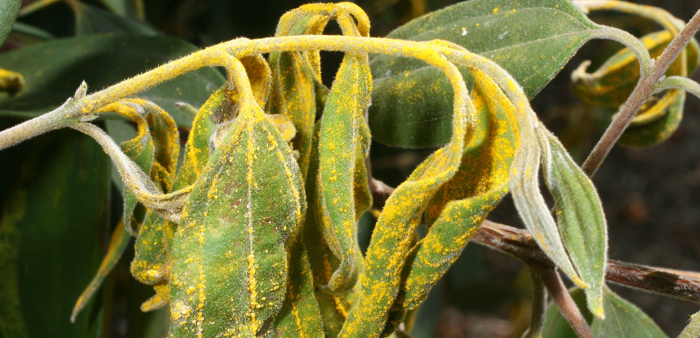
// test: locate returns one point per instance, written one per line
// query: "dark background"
(650, 196)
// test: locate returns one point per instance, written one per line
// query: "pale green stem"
(678, 82)
(631, 42)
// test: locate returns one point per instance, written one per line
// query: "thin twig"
(644, 89)
(555, 287)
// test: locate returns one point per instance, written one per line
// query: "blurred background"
(650, 196)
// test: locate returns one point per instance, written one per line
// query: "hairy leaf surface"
(230, 251)
(580, 216)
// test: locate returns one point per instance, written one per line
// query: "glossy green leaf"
(531, 39)
(580, 217)
(8, 14)
(624, 319)
(338, 142)
(52, 224)
(54, 69)
(230, 250)
(93, 20)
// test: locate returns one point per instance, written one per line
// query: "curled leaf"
(613, 82)
(338, 145)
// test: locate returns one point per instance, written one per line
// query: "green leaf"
(8, 14)
(623, 319)
(230, 264)
(580, 217)
(53, 221)
(53, 70)
(531, 39)
(93, 20)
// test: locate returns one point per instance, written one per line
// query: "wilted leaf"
(339, 140)
(230, 251)
(613, 82)
(659, 130)
(460, 205)
(393, 234)
(580, 217)
(54, 69)
(531, 39)
(117, 244)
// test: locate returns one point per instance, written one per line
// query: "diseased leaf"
(613, 82)
(393, 234)
(152, 251)
(8, 14)
(300, 315)
(580, 217)
(334, 307)
(670, 107)
(230, 251)
(139, 149)
(531, 39)
(54, 69)
(339, 141)
(624, 320)
(459, 207)
(52, 224)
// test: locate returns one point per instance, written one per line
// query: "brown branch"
(684, 285)
(644, 89)
(520, 244)
(555, 287)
